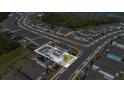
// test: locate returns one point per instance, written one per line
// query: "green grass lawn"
(4, 71)
(11, 56)
(67, 58)
(121, 77)
(8, 58)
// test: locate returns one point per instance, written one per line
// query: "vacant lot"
(7, 59)
(11, 56)
(14, 60)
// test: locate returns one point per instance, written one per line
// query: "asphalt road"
(53, 37)
(87, 51)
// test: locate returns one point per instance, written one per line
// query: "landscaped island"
(77, 21)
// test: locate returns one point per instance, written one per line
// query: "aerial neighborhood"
(61, 46)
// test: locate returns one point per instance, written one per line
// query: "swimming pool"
(45, 49)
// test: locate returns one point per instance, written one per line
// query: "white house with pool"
(56, 54)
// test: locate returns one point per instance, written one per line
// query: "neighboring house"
(34, 71)
(93, 75)
(30, 71)
(114, 53)
(115, 57)
(109, 68)
(118, 43)
(15, 75)
(64, 32)
(110, 65)
(41, 60)
(81, 37)
(98, 32)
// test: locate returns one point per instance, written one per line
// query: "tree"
(3, 15)
(77, 21)
(74, 51)
(7, 44)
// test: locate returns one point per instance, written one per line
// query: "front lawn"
(67, 58)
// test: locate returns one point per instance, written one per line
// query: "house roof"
(57, 28)
(33, 70)
(15, 75)
(119, 40)
(116, 50)
(64, 31)
(86, 32)
(109, 66)
(94, 75)
(30, 71)
(80, 35)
